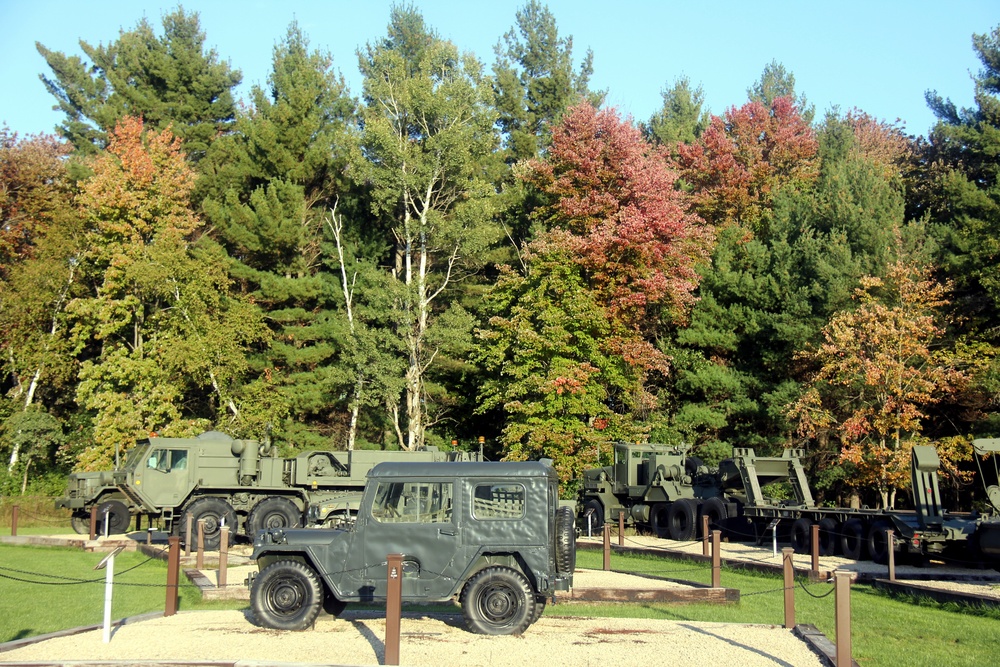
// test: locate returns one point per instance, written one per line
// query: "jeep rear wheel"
(498, 601)
(286, 595)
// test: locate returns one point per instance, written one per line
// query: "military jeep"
(489, 536)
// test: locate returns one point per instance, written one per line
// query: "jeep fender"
(513, 560)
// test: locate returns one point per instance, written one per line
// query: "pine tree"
(681, 118)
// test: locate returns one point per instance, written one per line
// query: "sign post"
(108, 564)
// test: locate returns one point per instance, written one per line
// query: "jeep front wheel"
(498, 601)
(286, 595)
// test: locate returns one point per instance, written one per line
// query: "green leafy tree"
(267, 188)
(37, 435)
(431, 160)
(535, 81)
(682, 117)
(169, 81)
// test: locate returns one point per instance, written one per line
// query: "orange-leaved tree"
(881, 366)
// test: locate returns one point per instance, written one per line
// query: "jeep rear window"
(498, 501)
(412, 502)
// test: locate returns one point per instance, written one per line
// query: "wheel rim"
(499, 604)
(275, 520)
(285, 596)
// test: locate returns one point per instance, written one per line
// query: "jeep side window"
(498, 501)
(412, 502)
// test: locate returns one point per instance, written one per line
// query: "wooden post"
(93, 522)
(393, 608)
(200, 556)
(149, 536)
(13, 520)
(173, 572)
(607, 546)
(223, 556)
(716, 559)
(889, 544)
(842, 595)
(814, 547)
(788, 567)
(704, 535)
(621, 529)
(187, 535)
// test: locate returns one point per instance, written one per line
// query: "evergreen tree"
(168, 81)
(431, 152)
(775, 81)
(681, 118)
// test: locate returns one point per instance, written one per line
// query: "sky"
(878, 56)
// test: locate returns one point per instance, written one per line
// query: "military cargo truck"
(491, 537)
(213, 477)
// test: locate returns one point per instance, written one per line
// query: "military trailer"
(223, 481)
(491, 537)
(661, 488)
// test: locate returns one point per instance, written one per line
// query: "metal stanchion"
(842, 594)
(788, 568)
(393, 608)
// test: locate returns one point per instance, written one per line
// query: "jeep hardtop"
(489, 536)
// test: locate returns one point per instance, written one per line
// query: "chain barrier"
(42, 518)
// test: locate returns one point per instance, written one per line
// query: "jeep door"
(416, 518)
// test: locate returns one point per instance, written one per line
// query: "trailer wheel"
(286, 595)
(716, 512)
(681, 519)
(118, 517)
(827, 536)
(878, 543)
(802, 535)
(215, 512)
(498, 601)
(659, 520)
(852, 539)
(273, 512)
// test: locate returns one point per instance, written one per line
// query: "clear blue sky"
(876, 55)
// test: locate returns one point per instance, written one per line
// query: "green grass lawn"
(43, 589)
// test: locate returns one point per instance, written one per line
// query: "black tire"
(80, 524)
(828, 536)
(659, 520)
(273, 512)
(565, 541)
(801, 535)
(852, 539)
(536, 612)
(498, 601)
(681, 519)
(878, 544)
(715, 510)
(118, 517)
(214, 511)
(596, 510)
(332, 605)
(286, 595)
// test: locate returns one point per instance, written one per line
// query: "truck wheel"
(215, 512)
(273, 512)
(802, 535)
(118, 517)
(878, 544)
(286, 595)
(715, 510)
(498, 601)
(681, 519)
(827, 536)
(80, 524)
(852, 539)
(565, 541)
(659, 520)
(596, 513)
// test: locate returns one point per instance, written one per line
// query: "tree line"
(471, 251)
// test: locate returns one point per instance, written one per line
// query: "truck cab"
(489, 536)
